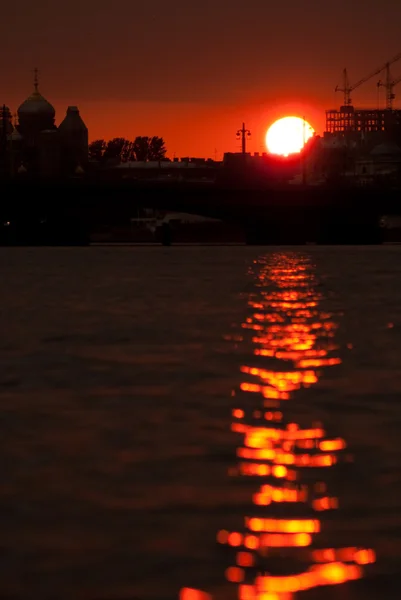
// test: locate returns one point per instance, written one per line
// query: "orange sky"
(191, 129)
(193, 72)
(200, 129)
(204, 129)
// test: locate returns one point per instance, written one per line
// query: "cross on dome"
(36, 79)
(36, 106)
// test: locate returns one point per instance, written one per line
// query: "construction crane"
(389, 84)
(347, 88)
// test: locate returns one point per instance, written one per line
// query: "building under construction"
(349, 121)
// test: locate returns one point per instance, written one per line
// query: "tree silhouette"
(97, 149)
(157, 148)
(149, 148)
(141, 148)
(127, 151)
(119, 148)
(144, 148)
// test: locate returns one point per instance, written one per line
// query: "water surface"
(117, 374)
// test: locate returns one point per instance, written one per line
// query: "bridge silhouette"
(287, 214)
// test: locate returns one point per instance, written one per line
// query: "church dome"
(36, 105)
(15, 136)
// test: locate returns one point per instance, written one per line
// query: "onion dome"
(36, 105)
(21, 169)
(15, 136)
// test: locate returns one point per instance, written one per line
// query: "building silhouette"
(35, 146)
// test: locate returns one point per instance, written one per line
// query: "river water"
(200, 420)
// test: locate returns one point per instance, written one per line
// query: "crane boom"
(347, 88)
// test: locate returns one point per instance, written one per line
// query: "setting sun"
(288, 135)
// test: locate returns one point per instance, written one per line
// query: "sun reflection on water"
(276, 551)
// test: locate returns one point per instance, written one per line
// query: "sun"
(288, 135)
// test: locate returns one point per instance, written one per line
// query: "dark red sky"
(193, 71)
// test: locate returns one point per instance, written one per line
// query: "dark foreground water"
(181, 417)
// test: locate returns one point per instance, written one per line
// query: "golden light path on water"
(276, 551)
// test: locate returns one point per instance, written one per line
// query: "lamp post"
(243, 134)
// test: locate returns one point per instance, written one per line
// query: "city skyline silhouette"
(190, 75)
